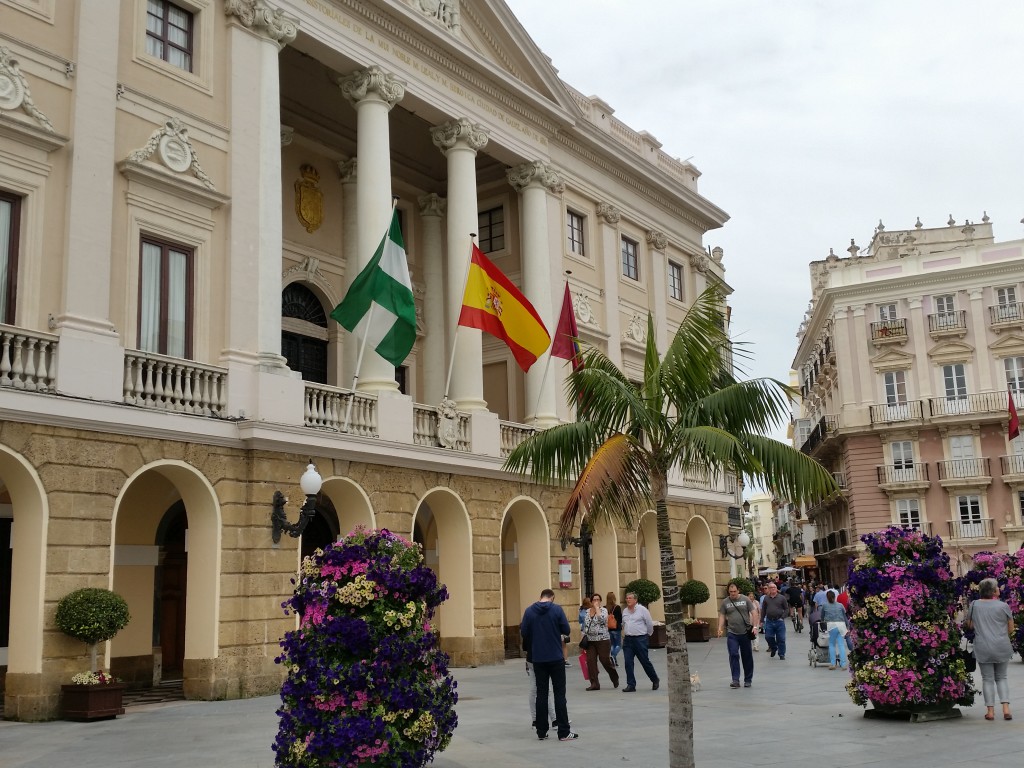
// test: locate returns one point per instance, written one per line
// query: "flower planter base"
(102, 701)
(913, 714)
(698, 633)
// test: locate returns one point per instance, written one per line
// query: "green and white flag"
(379, 305)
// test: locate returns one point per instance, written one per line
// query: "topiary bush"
(694, 592)
(646, 591)
(93, 616)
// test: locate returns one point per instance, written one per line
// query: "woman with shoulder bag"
(992, 622)
(614, 626)
(595, 631)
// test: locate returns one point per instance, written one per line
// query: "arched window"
(304, 333)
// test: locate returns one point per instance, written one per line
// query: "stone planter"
(698, 633)
(101, 701)
(660, 637)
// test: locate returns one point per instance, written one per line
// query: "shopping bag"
(583, 666)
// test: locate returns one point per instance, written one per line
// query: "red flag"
(1014, 430)
(564, 344)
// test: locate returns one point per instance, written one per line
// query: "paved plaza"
(793, 715)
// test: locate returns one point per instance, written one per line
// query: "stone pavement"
(793, 715)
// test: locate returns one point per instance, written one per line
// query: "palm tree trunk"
(680, 697)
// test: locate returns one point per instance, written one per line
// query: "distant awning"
(805, 561)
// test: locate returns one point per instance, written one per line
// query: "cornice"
(32, 135)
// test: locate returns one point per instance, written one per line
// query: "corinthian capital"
(447, 135)
(259, 16)
(609, 213)
(657, 240)
(536, 172)
(373, 80)
(432, 205)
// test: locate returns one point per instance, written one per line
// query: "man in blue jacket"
(543, 626)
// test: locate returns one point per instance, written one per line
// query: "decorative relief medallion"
(521, 176)
(447, 424)
(657, 240)
(447, 135)
(609, 213)
(173, 149)
(259, 16)
(309, 200)
(636, 330)
(310, 268)
(584, 312)
(373, 80)
(14, 90)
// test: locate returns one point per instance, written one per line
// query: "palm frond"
(557, 455)
(794, 475)
(757, 405)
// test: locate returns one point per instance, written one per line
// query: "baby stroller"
(819, 640)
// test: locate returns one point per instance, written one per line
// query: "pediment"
(1010, 345)
(951, 352)
(892, 359)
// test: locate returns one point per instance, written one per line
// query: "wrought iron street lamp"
(310, 482)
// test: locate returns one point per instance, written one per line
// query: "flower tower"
(367, 684)
(1008, 571)
(906, 642)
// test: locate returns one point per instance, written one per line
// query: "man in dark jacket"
(543, 626)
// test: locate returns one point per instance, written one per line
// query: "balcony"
(889, 331)
(826, 427)
(1003, 316)
(924, 526)
(958, 473)
(327, 407)
(978, 530)
(943, 324)
(840, 478)
(513, 434)
(896, 413)
(968, 405)
(174, 384)
(28, 359)
(1012, 468)
(903, 477)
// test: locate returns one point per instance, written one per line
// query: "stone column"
(373, 92)
(979, 317)
(91, 360)
(432, 209)
(460, 140)
(918, 332)
(608, 217)
(533, 181)
(657, 287)
(347, 169)
(259, 382)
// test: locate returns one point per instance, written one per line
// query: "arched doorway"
(170, 595)
(350, 503)
(604, 555)
(322, 530)
(304, 333)
(700, 562)
(648, 558)
(441, 526)
(525, 565)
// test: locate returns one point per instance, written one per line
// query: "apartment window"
(10, 218)
(902, 460)
(630, 261)
(969, 516)
(574, 225)
(1014, 367)
(955, 381)
(165, 298)
(886, 311)
(944, 304)
(675, 281)
(1006, 304)
(908, 511)
(169, 33)
(491, 227)
(1006, 296)
(895, 387)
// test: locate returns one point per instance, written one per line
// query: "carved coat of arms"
(309, 200)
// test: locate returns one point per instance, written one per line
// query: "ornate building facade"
(907, 359)
(187, 189)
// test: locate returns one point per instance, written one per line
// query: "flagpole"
(369, 323)
(455, 336)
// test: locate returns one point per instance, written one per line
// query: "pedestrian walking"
(992, 622)
(543, 625)
(834, 616)
(756, 642)
(776, 609)
(637, 627)
(595, 629)
(614, 632)
(738, 615)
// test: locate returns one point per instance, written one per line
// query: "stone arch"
(146, 497)
(648, 558)
(351, 503)
(604, 554)
(525, 562)
(30, 510)
(700, 565)
(441, 524)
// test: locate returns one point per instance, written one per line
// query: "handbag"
(612, 623)
(747, 624)
(584, 640)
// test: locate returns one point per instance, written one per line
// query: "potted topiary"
(647, 592)
(92, 616)
(695, 592)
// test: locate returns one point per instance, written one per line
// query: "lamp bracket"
(279, 518)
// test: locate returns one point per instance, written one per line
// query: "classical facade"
(187, 189)
(907, 358)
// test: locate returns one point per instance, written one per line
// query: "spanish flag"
(491, 303)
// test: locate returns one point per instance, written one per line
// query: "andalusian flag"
(491, 303)
(379, 306)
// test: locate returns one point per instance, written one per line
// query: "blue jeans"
(739, 648)
(836, 641)
(616, 636)
(635, 646)
(775, 634)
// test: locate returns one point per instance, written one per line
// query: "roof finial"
(918, 223)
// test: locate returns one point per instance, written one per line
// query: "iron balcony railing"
(958, 405)
(894, 412)
(891, 474)
(963, 469)
(979, 528)
(948, 321)
(889, 329)
(924, 526)
(827, 426)
(1006, 313)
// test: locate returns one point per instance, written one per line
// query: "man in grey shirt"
(740, 615)
(775, 608)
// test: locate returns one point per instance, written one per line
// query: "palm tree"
(689, 411)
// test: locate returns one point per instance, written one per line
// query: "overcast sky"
(810, 120)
